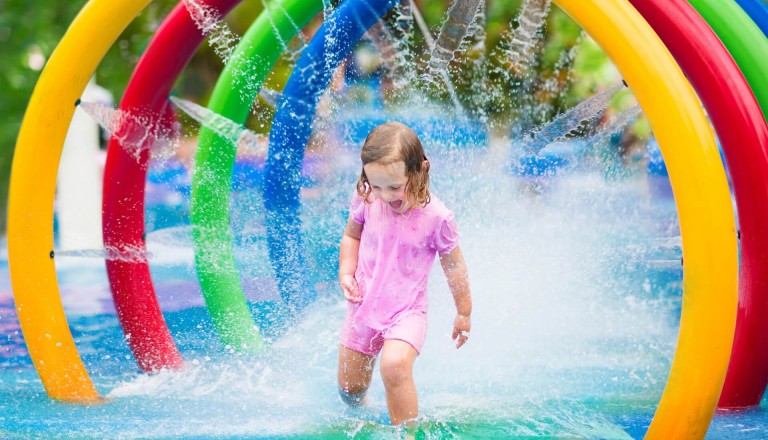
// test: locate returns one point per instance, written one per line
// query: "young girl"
(394, 230)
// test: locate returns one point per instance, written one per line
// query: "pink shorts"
(411, 328)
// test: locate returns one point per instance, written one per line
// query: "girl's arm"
(458, 281)
(350, 245)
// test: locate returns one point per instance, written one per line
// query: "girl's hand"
(349, 287)
(461, 327)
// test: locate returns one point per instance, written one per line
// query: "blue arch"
(757, 11)
(291, 129)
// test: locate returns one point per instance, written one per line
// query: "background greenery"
(30, 31)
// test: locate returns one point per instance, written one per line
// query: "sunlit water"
(576, 292)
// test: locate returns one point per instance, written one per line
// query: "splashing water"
(391, 55)
(571, 123)
(616, 124)
(549, 356)
(562, 75)
(208, 20)
(402, 71)
(422, 25)
(455, 27)
(293, 52)
(476, 34)
(519, 80)
(516, 52)
(228, 129)
(128, 254)
(566, 356)
(270, 96)
(404, 20)
(330, 22)
(137, 134)
(393, 41)
(225, 42)
(475, 67)
(429, 77)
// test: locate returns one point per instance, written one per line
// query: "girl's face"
(388, 183)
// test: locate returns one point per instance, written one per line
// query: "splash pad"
(707, 227)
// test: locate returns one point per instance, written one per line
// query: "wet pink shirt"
(395, 256)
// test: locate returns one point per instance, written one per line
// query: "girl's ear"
(425, 165)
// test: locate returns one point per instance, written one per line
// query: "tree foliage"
(29, 33)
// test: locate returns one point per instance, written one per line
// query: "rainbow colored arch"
(728, 76)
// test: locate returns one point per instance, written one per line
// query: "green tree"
(29, 33)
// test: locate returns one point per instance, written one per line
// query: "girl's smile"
(388, 183)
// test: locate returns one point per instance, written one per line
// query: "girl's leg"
(355, 372)
(397, 358)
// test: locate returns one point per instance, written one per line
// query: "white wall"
(78, 191)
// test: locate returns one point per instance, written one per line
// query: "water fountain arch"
(124, 180)
(709, 251)
(214, 160)
(730, 104)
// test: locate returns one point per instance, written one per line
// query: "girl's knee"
(353, 389)
(396, 370)
(354, 375)
(353, 386)
(352, 398)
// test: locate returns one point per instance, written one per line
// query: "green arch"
(217, 272)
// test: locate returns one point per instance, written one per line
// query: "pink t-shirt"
(395, 256)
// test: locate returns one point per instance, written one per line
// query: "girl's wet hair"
(393, 142)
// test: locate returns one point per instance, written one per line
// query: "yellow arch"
(706, 220)
(703, 205)
(32, 189)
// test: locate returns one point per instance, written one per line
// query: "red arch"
(743, 133)
(124, 178)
